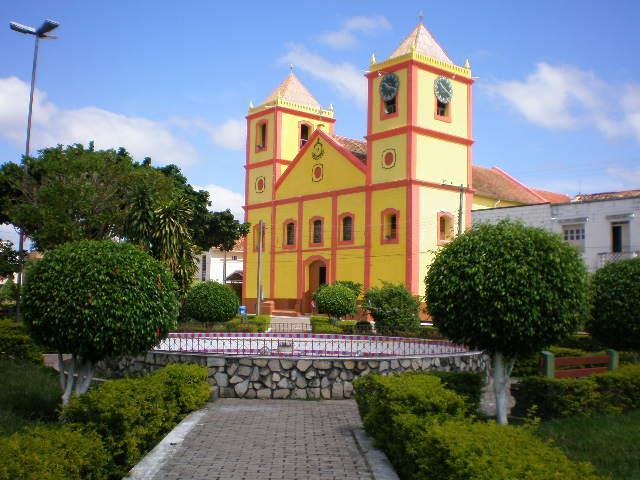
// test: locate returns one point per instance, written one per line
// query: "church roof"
(424, 43)
(357, 147)
(552, 196)
(292, 90)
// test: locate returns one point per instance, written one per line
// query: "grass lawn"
(29, 394)
(610, 442)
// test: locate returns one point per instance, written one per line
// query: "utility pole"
(259, 283)
(460, 210)
(224, 269)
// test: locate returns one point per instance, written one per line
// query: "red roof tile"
(357, 147)
(607, 195)
(494, 183)
(553, 197)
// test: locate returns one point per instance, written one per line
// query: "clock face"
(443, 89)
(389, 86)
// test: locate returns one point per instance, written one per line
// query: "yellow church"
(324, 207)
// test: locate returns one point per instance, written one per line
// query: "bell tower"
(419, 136)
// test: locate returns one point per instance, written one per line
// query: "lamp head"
(46, 27)
(18, 27)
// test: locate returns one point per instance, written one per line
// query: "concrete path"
(273, 439)
(290, 324)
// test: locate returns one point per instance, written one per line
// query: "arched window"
(305, 132)
(443, 111)
(316, 231)
(445, 227)
(389, 221)
(261, 135)
(289, 234)
(346, 230)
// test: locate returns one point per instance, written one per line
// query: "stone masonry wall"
(297, 378)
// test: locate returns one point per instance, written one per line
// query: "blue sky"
(556, 104)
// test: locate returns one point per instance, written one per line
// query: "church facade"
(325, 207)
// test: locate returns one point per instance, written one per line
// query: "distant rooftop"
(586, 197)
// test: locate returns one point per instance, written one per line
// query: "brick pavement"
(271, 439)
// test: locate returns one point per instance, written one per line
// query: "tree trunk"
(77, 378)
(501, 373)
(70, 379)
(224, 269)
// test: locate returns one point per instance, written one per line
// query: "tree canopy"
(9, 263)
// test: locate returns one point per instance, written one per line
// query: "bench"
(584, 366)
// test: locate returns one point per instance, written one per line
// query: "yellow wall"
(254, 174)
(354, 203)
(286, 275)
(378, 149)
(251, 266)
(431, 202)
(339, 173)
(441, 161)
(289, 125)
(388, 260)
(427, 103)
(350, 265)
(316, 208)
(267, 153)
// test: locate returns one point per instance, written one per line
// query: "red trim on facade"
(301, 273)
(341, 218)
(339, 247)
(291, 111)
(443, 240)
(334, 234)
(311, 231)
(421, 66)
(383, 224)
(272, 257)
(441, 118)
(307, 145)
(266, 163)
(423, 131)
(261, 148)
(469, 195)
(367, 240)
(362, 188)
(284, 234)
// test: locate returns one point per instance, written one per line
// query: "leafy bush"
(211, 302)
(28, 390)
(393, 308)
(15, 342)
(326, 328)
(458, 449)
(132, 415)
(9, 291)
(530, 365)
(613, 392)
(99, 299)
(509, 290)
(355, 287)
(466, 384)
(380, 397)
(336, 300)
(581, 341)
(615, 318)
(53, 453)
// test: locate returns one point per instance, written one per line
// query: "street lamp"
(42, 32)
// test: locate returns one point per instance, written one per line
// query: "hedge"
(53, 453)
(132, 415)
(459, 449)
(211, 302)
(613, 392)
(16, 343)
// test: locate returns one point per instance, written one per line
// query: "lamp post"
(41, 32)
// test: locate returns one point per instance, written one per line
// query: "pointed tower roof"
(420, 40)
(292, 90)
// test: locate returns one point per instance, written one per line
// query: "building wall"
(596, 217)
(215, 265)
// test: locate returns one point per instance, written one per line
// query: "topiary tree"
(337, 300)
(615, 310)
(393, 308)
(509, 290)
(95, 300)
(211, 302)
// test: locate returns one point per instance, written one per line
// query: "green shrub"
(9, 291)
(583, 342)
(211, 302)
(615, 317)
(612, 392)
(458, 449)
(16, 343)
(363, 327)
(355, 287)
(381, 397)
(100, 299)
(53, 453)
(466, 384)
(393, 308)
(336, 300)
(326, 328)
(28, 390)
(530, 365)
(132, 415)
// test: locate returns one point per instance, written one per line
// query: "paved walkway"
(271, 439)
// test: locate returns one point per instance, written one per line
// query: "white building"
(605, 227)
(211, 264)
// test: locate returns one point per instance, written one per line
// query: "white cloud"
(566, 97)
(223, 198)
(54, 125)
(230, 134)
(343, 77)
(346, 36)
